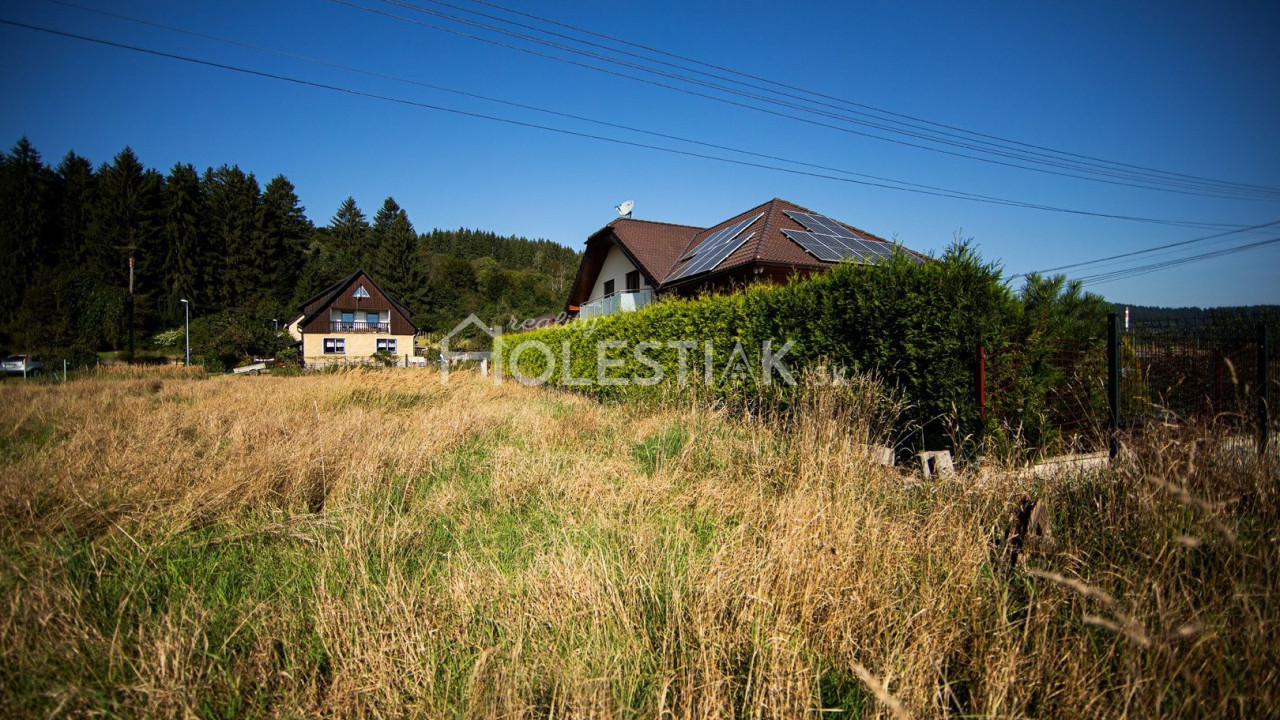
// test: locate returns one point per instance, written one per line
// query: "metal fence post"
(1264, 388)
(1113, 382)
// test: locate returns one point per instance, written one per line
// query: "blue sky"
(1176, 86)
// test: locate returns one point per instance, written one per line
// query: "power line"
(1114, 275)
(900, 186)
(1096, 173)
(1143, 183)
(1145, 251)
(851, 103)
(958, 194)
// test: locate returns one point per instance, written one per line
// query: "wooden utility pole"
(131, 249)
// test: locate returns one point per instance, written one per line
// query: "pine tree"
(125, 224)
(396, 262)
(77, 189)
(286, 233)
(124, 219)
(25, 196)
(350, 236)
(236, 277)
(185, 243)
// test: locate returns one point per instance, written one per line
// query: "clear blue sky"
(1179, 86)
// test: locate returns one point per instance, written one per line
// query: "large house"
(628, 261)
(351, 321)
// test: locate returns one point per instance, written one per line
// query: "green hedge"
(916, 326)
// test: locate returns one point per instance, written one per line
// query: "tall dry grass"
(374, 544)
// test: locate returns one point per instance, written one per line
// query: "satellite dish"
(625, 208)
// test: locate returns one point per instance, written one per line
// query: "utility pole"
(186, 312)
(131, 308)
(131, 249)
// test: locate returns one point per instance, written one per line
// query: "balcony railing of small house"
(359, 327)
(624, 301)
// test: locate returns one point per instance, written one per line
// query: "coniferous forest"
(244, 254)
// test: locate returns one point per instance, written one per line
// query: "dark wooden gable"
(340, 296)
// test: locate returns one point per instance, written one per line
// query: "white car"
(24, 365)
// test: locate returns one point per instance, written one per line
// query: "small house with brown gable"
(351, 321)
(627, 262)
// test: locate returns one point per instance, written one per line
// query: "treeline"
(240, 252)
(1194, 315)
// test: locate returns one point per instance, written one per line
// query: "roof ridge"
(657, 222)
(769, 215)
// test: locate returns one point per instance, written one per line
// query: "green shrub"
(917, 325)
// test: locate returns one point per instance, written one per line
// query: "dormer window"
(360, 293)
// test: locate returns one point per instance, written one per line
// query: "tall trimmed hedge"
(915, 325)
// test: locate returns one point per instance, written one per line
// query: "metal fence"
(1222, 371)
(1057, 389)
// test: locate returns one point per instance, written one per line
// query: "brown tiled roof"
(655, 245)
(768, 244)
(658, 247)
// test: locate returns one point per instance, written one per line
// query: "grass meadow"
(377, 544)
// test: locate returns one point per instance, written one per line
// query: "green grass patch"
(659, 447)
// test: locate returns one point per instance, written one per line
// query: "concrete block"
(878, 454)
(936, 462)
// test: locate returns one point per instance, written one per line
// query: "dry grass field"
(376, 544)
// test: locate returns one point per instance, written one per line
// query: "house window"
(360, 293)
(633, 280)
(608, 288)
(348, 320)
(335, 346)
(388, 344)
(372, 319)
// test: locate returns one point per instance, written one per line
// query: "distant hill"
(1148, 314)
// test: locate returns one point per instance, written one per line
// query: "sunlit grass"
(374, 543)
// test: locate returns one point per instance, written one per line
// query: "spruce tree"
(25, 197)
(286, 233)
(76, 195)
(185, 244)
(350, 236)
(236, 276)
(125, 224)
(396, 261)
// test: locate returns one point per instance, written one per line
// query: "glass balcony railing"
(625, 301)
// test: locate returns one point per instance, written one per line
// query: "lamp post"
(186, 311)
(275, 324)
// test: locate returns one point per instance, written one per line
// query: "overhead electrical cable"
(1142, 184)
(883, 183)
(863, 106)
(1123, 178)
(1125, 273)
(509, 103)
(1155, 249)
(913, 123)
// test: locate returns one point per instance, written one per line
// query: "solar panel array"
(712, 251)
(830, 241)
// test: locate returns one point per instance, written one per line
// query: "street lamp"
(186, 311)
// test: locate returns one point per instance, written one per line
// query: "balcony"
(625, 301)
(359, 327)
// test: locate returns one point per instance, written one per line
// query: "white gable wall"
(615, 268)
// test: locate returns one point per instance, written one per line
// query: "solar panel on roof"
(715, 249)
(830, 241)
